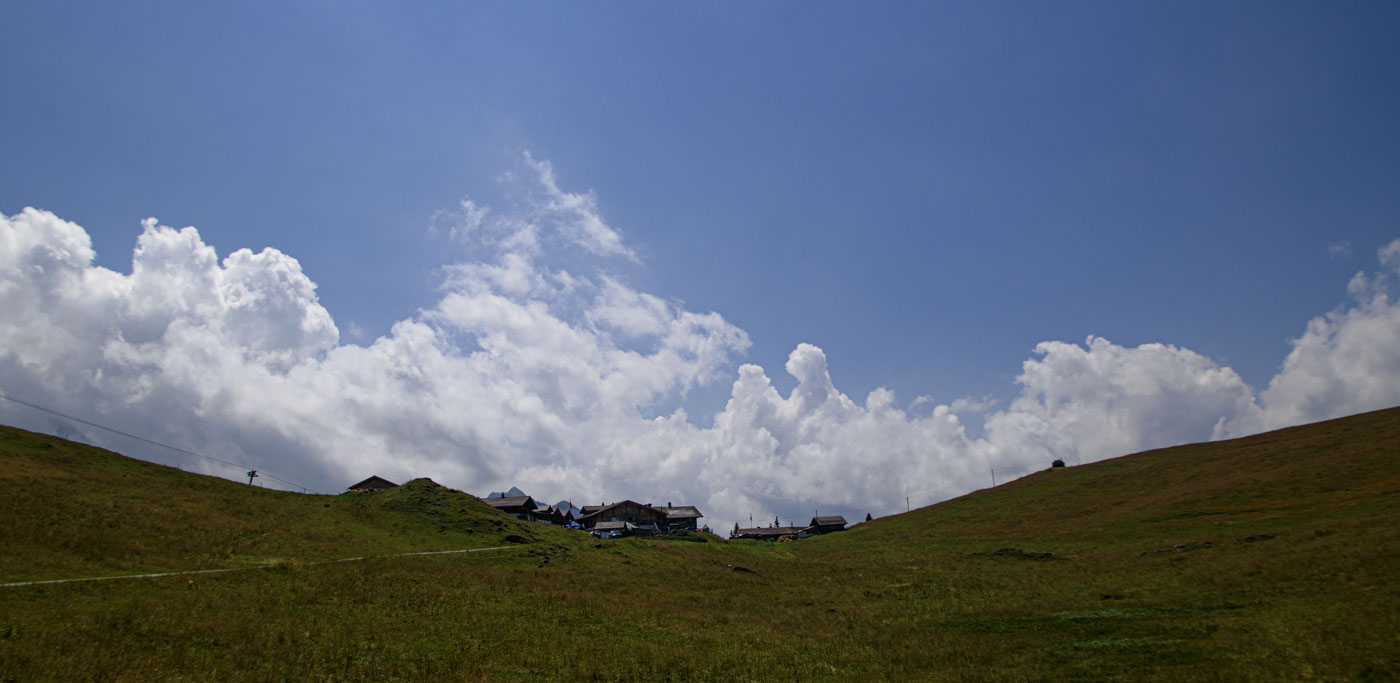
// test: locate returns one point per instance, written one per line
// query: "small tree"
(736, 530)
(867, 516)
(1058, 463)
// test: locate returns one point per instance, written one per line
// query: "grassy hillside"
(1265, 558)
(71, 510)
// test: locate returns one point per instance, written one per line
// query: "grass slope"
(72, 510)
(1270, 557)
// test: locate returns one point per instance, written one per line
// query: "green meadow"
(1272, 557)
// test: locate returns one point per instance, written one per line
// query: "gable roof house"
(625, 511)
(519, 507)
(375, 483)
(552, 515)
(827, 524)
(685, 517)
(542, 513)
(564, 515)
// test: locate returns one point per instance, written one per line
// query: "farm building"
(519, 507)
(628, 511)
(772, 533)
(552, 515)
(685, 517)
(827, 524)
(640, 519)
(375, 483)
(819, 525)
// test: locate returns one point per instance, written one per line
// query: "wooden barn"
(519, 507)
(827, 524)
(553, 515)
(683, 517)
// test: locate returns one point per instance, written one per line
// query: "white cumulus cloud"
(527, 373)
(1346, 361)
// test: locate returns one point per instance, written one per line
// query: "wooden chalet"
(827, 524)
(636, 514)
(375, 483)
(685, 517)
(519, 507)
(563, 516)
(552, 515)
(543, 513)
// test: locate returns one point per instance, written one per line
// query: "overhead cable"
(149, 441)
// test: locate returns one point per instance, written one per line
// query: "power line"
(153, 443)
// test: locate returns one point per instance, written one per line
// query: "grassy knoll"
(71, 510)
(1264, 558)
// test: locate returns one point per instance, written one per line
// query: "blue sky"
(925, 191)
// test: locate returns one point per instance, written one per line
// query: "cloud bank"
(538, 367)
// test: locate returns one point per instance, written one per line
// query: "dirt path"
(255, 566)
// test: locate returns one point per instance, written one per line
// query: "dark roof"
(553, 512)
(375, 482)
(829, 520)
(511, 502)
(772, 531)
(591, 510)
(681, 512)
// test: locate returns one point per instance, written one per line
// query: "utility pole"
(251, 474)
(906, 504)
(994, 477)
